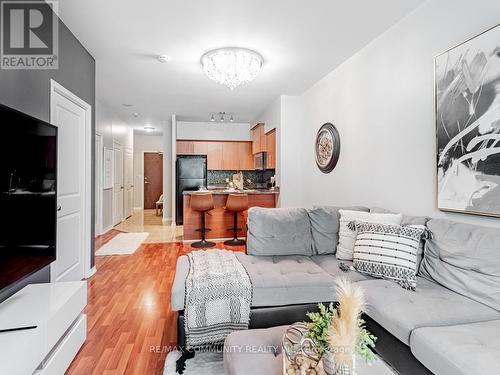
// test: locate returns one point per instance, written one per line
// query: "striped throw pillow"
(388, 252)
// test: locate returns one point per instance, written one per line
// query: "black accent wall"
(29, 91)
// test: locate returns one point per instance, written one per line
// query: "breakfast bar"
(219, 220)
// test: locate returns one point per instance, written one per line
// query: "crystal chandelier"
(231, 66)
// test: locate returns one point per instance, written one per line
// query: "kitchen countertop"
(225, 192)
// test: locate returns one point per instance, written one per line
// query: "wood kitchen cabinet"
(221, 155)
(230, 159)
(237, 156)
(185, 147)
(214, 156)
(200, 148)
(258, 138)
(245, 156)
(271, 149)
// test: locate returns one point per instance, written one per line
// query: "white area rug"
(201, 364)
(211, 364)
(123, 244)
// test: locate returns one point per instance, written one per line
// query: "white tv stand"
(57, 311)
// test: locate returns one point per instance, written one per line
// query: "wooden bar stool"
(236, 203)
(202, 202)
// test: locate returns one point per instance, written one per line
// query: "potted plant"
(340, 333)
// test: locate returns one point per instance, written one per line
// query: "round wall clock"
(327, 148)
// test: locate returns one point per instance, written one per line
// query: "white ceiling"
(301, 41)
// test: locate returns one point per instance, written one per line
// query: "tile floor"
(147, 221)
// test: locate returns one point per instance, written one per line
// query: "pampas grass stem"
(344, 327)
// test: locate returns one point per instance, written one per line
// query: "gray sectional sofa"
(449, 325)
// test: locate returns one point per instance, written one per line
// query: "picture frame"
(467, 114)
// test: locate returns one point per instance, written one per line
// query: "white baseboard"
(137, 208)
(91, 272)
(166, 220)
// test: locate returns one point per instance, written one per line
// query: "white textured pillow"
(389, 252)
(347, 237)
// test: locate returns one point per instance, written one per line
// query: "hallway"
(147, 221)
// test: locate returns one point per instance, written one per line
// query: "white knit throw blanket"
(218, 297)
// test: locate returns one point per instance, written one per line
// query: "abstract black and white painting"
(467, 79)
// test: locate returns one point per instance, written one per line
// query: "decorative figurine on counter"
(273, 182)
(238, 180)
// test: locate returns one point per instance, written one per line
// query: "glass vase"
(335, 366)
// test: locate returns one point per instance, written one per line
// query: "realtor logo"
(29, 34)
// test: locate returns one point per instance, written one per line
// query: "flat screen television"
(28, 195)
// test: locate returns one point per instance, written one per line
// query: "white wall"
(382, 102)
(169, 136)
(112, 128)
(271, 117)
(290, 146)
(143, 143)
(218, 131)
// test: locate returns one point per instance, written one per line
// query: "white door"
(129, 182)
(98, 183)
(70, 115)
(118, 188)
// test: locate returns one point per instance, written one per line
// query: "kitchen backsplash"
(257, 177)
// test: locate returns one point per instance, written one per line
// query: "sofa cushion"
(256, 350)
(276, 281)
(287, 280)
(331, 265)
(279, 231)
(325, 227)
(400, 311)
(347, 236)
(464, 258)
(467, 349)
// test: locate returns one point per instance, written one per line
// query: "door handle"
(59, 208)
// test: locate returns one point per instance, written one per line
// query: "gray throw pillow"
(278, 231)
(325, 227)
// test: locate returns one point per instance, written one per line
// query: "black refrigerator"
(190, 174)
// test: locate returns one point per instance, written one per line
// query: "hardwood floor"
(128, 312)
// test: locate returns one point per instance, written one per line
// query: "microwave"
(260, 161)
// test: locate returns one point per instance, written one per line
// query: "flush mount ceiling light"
(231, 66)
(148, 128)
